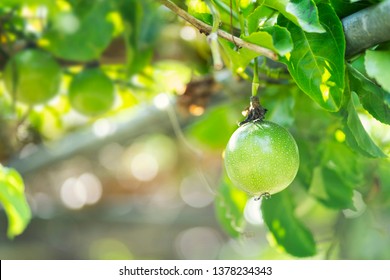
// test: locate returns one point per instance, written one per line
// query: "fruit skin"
(261, 157)
(33, 75)
(91, 92)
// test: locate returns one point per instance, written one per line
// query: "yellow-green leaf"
(13, 199)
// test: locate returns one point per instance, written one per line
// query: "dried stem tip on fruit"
(255, 112)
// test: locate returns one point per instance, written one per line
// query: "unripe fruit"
(33, 76)
(91, 92)
(261, 158)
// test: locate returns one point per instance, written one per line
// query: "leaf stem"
(240, 18)
(255, 81)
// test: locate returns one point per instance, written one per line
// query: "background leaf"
(289, 232)
(13, 199)
(372, 97)
(356, 136)
(221, 118)
(331, 189)
(337, 175)
(142, 26)
(229, 207)
(317, 61)
(377, 66)
(301, 13)
(81, 36)
(237, 59)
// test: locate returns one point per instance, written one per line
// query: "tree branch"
(364, 29)
(367, 28)
(205, 28)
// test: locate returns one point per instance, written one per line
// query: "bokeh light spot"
(198, 243)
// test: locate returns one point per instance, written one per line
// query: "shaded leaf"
(331, 189)
(229, 206)
(317, 61)
(302, 13)
(237, 59)
(344, 8)
(288, 230)
(142, 27)
(377, 66)
(215, 127)
(13, 199)
(372, 97)
(356, 136)
(340, 158)
(280, 103)
(275, 38)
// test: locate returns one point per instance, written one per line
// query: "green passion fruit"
(261, 158)
(32, 76)
(91, 92)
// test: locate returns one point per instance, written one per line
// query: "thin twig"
(206, 29)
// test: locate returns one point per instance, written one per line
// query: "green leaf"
(200, 10)
(215, 127)
(340, 158)
(302, 13)
(377, 66)
(344, 8)
(372, 97)
(275, 38)
(356, 136)
(142, 26)
(229, 206)
(280, 102)
(331, 189)
(237, 59)
(317, 60)
(259, 17)
(287, 229)
(80, 38)
(13, 199)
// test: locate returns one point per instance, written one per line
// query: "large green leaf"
(372, 97)
(356, 136)
(229, 206)
(377, 67)
(302, 13)
(13, 199)
(275, 38)
(317, 60)
(287, 229)
(80, 37)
